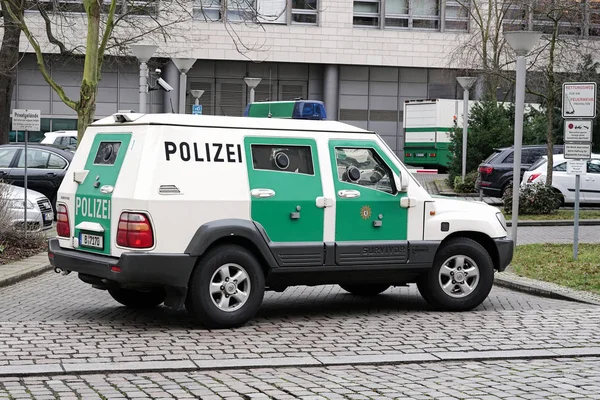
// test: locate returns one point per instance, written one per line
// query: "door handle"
(50, 175)
(349, 194)
(262, 193)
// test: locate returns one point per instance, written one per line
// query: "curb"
(188, 365)
(556, 222)
(21, 276)
(539, 290)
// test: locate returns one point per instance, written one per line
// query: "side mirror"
(401, 184)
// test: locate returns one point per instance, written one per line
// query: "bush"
(534, 199)
(468, 186)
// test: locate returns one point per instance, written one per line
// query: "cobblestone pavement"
(515, 379)
(59, 320)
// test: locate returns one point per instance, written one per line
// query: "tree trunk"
(550, 104)
(86, 108)
(9, 57)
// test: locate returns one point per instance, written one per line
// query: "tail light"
(407, 155)
(486, 170)
(63, 228)
(135, 231)
(533, 177)
(432, 154)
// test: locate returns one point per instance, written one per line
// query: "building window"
(124, 7)
(367, 13)
(412, 14)
(304, 11)
(259, 11)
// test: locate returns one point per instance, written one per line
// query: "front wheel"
(365, 289)
(226, 288)
(137, 298)
(461, 278)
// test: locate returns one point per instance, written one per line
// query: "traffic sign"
(576, 167)
(579, 100)
(578, 151)
(578, 130)
(26, 120)
(197, 109)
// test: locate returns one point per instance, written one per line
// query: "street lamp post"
(143, 52)
(252, 84)
(522, 42)
(183, 65)
(197, 94)
(466, 83)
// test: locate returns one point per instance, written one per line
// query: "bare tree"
(9, 57)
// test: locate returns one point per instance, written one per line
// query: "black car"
(495, 173)
(46, 167)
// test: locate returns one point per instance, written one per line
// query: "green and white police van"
(208, 212)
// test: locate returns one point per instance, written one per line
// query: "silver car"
(12, 208)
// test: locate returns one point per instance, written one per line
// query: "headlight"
(502, 220)
(18, 204)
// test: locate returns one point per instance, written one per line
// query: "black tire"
(504, 189)
(137, 298)
(201, 303)
(365, 289)
(430, 284)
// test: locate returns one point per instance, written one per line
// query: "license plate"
(419, 154)
(94, 241)
(48, 216)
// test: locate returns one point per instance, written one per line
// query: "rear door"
(285, 182)
(94, 195)
(590, 182)
(39, 177)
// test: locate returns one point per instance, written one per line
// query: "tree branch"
(51, 38)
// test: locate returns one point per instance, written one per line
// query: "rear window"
(492, 156)
(536, 164)
(107, 153)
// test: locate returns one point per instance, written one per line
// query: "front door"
(370, 224)
(285, 182)
(94, 194)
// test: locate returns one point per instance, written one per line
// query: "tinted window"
(36, 158)
(534, 154)
(296, 159)
(56, 162)
(562, 167)
(491, 157)
(107, 153)
(593, 166)
(536, 164)
(6, 156)
(363, 167)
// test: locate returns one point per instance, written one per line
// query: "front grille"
(44, 205)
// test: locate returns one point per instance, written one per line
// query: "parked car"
(495, 173)
(12, 208)
(589, 187)
(46, 167)
(64, 139)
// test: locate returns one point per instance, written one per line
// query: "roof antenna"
(270, 93)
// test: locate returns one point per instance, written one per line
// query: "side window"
(56, 162)
(593, 166)
(562, 167)
(59, 141)
(6, 156)
(534, 155)
(72, 141)
(296, 159)
(35, 159)
(509, 159)
(363, 167)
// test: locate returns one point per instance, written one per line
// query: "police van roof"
(213, 121)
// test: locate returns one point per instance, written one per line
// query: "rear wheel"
(461, 278)
(226, 288)
(365, 289)
(139, 299)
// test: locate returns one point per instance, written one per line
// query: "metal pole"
(576, 222)
(143, 86)
(251, 95)
(197, 101)
(465, 125)
(182, 92)
(519, 106)
(25, 202)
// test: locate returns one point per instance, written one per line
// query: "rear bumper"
(134, 269)
(505, 247)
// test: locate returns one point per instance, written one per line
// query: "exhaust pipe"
(61, 271)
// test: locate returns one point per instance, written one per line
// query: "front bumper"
(131, 269)
(505, 247)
